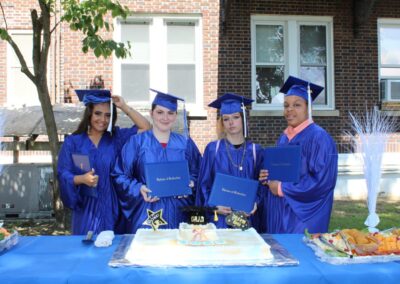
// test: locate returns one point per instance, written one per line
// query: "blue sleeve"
(259, 165)
(69, 192)
(122, 135)
(126, 184)
(318, 180)
(206, 176)
(193, 157)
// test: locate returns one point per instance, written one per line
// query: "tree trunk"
(51, 127)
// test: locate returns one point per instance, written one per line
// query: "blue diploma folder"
(168, 178)
(283, 163)
(82, 162)
(235, 192)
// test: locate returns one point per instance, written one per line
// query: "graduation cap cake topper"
(198, 214)
(294, 86)
(231, 103)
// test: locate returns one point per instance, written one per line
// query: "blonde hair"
(221, 134)
(220, 128)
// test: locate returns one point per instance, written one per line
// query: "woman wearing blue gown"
(232, 155)
(159, 144)
(293, 207)
(87, 189)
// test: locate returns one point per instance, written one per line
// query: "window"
(20, 89)
(166, 55)
(288, 45)
(389, 59)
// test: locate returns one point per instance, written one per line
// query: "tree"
(90, 17)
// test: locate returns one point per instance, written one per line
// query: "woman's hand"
(252, 211)
(263, 176)
(273, 187)
(119, 102)
(90, 179)
(139, 120)
(224, 210)
(146, 194)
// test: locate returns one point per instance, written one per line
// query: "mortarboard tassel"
(309, 102)
(215, 216)
(109, 128)
(244, 120)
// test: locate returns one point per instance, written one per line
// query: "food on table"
(353, 242)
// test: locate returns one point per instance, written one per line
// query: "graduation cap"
(297, 87)
(231, 103)
(171, 102)
(96, 96)
(198, 214)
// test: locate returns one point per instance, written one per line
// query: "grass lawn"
(345, 214)
(352, 214)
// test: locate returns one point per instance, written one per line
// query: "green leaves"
(91, 17)
(4, 35)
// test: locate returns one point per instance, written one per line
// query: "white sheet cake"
(229, 247)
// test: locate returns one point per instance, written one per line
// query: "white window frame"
(34, 101)
(292, 53)
(158, 41)
(382, 22)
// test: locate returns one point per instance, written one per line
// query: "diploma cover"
(235, 192)
(168, 178)
(283, 163)
(82, 162)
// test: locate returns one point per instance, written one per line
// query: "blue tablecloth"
(65, 259)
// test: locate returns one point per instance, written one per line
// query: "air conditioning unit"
(390, 89)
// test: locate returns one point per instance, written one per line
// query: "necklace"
(228, 150)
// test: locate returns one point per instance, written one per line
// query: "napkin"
(104, 239)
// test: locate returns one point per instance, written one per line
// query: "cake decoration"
(155, 219)
(198, 214)
(238, 220)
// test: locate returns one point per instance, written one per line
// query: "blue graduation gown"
(91, 213)
(308, 203)
(217, 160)
(129, 176)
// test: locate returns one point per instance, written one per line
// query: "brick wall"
(355, 59)
(227, 57)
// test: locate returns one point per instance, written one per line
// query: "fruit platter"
(7, 239)
(349, 246)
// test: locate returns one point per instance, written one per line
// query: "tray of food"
(7, 239)
(349, 246)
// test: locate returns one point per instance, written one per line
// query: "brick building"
(200, 49)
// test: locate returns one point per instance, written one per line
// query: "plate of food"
(7, 239)
(355, 246)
